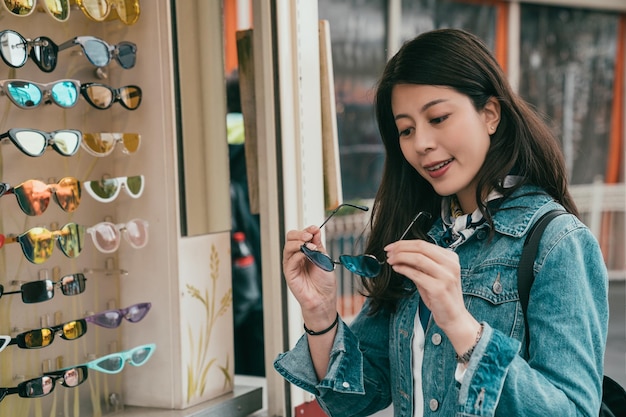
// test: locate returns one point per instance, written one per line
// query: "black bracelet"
(465, 358)
(326, 330)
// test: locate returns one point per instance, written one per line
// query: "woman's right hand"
(314, 289)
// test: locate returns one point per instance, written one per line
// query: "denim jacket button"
(433, 404)
(436, 339)
(346, 385)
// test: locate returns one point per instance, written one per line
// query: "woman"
(464, 149)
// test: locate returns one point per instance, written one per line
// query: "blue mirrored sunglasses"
(29, 94)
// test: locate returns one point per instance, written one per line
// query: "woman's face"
(443, 137)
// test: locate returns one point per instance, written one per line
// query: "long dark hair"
(522, 142)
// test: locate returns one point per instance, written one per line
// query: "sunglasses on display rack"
(102, 96)
(43, 290)
(103, 144)
(366, 265)
(114, 363)
(111, 319)
(100, 53)
(14, 50)
(102, 10)
(44, 385)
(107, 190)
(38, 242)
(29, 94)
(33, 196)
(40, 338)
(33, 142)
(58, 9)
(107, 236)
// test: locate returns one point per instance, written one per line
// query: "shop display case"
(183, 269)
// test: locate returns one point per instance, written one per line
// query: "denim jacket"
(371, 360)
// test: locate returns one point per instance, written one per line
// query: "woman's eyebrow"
(432, 103)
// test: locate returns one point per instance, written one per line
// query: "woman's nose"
(424, 141)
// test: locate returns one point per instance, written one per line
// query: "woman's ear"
(491, 114)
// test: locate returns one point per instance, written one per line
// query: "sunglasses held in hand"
(33, 142)
(366, 265)
(38, 242)
(43, 290)
(33, 196)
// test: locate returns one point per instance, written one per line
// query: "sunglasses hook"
(101, 73)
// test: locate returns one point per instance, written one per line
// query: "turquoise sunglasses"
(29, 94)
(114, 363)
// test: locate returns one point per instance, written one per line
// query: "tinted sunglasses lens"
(99, 96)
(13, 48)
(67, 194)
(24, 94)
(74, 377)
(96, 9)
(136, 232)
(20, 7)
(74, 329)
(130, 96)
(140, 355)
(109, 319)
(318, 258)
(105, 236)
(99, 144)
(127, 10)
(97, 52)
(73, 284)
(131, 142)
(37, 291)
(112, 364)
(137, 312)
(36, 339)
(59, 9)
(106, 190)
(134, 185)
(71, 238)
(66, 142)
(362, 265)
(64, 93)
(37, 244)
(37, 387)
(33, 197)
(44, 53)
(126, 55)
(31, 142)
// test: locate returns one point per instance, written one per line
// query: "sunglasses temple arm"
(67, 44)
(417, 216)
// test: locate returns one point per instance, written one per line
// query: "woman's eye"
(438, 120)
(405, 132)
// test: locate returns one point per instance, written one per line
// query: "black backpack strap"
(525, 273)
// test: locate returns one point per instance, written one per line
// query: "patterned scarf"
(458, 227)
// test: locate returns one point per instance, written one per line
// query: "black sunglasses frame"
(116, 95)
(26, 389)
(48, 136)
(43, 51)
(43, 285)
(112, 50)
(20, 339)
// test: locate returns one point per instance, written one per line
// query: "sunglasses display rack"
(90, 229)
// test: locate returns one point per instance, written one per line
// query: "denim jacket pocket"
(490, 294)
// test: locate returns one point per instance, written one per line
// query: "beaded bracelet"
(465, 358)
(326, 330)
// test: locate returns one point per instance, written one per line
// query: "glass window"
(567, 68)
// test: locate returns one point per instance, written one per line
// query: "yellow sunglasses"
(102, 10)
(58, 9)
